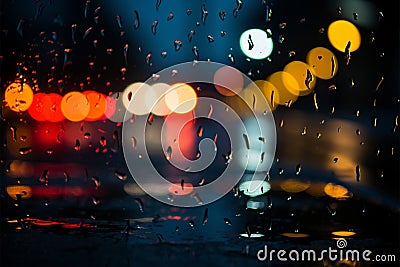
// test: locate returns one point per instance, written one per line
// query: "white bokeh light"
(256, 43)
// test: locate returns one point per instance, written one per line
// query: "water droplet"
(222, 33)
(358, 173)
(319, 135)
(160, 237)
(280, 171)
(374, 121)
(210, 39)
(231, 58)
(49, 151)
(358, 132)
(315, 101)
(200, 131)
(168, 153)
(189, 12)
(103, 141)
(222, 15)
(227, 157)
(170, 16)
(154, 27)
(205, 217)
(148, 59)
(139, 203)
(96, 182)
(77, 146)
(66, 177)
(95, 200)
(335, 160)
(136, 20)
(298, 169)
(177, 45)
(204, 13)
(87, 32)
(195, 51)
(202, 180)
(191, 223)
(25, 150)
(134, 142)
(44, 178)
(227, 221)
(332, 87)
(246, 140)
(304, 131)
(190, 35)
(122, 176)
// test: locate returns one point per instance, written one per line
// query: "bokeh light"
(286, 85)
(40, 104)
(304, 76)
(18, 96)
(160, 107)
(337, 191)
(21, 190)
(75, 106)
(228, 81)
(138, 98)
(181, 98)
(256, 43)
(294, 186)
(54, 112)
(115, 108)
(343, 233)
(98, 105)
(270, 92)
(323, 62)
(110, 106)
(181, 189)
(341, 32)
(254, 188)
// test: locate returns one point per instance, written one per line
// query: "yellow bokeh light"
(181, 98)
(14, 190)
(18, 96)
(269, 91)
(337, 191)
(254, 96)
(295, 235)
(160, 107)
(285, 85)
(138, 98)
(294, 186)
(304, 76)
(341, 32)
(343, 233)
(323, 62)
(75, 106)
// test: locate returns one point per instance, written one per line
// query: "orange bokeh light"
(98, 105)
(53, 112)
(41, 102)
(18, 96)
(75, 106)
